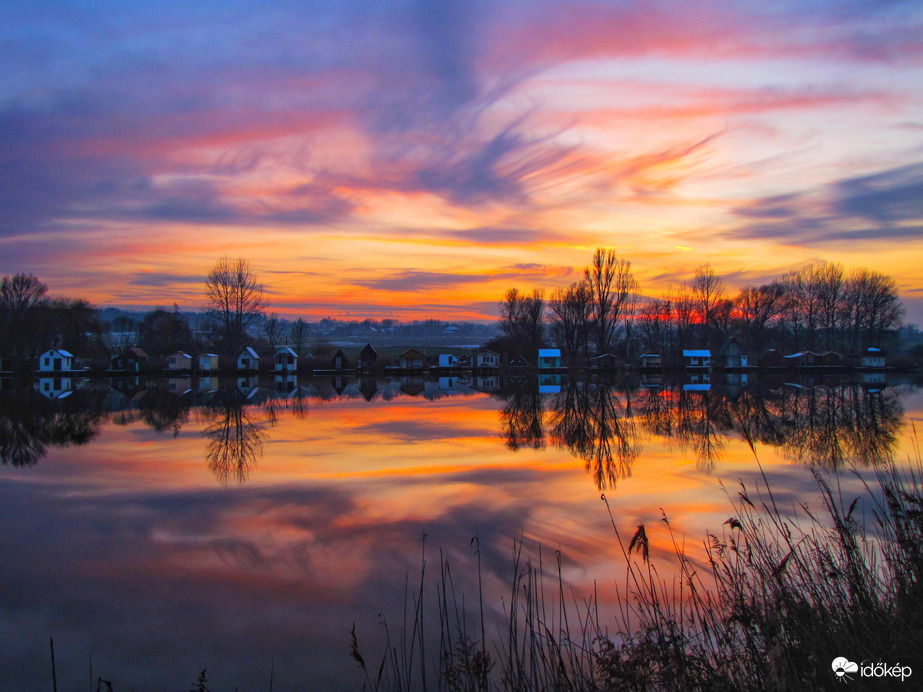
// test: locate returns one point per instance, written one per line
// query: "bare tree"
(20, 296)
(755, 309)
(522, 319)
(272, 332)
(235, 300)
(611, 282)
(123, 333)
(298, 336)
(708, 297)
(572, 310)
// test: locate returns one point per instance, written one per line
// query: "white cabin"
(55, 360)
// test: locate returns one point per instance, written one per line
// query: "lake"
(155, 529)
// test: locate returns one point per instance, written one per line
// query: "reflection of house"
(339, 361)
(339, 384)
(731, 354)
(829, 358)
(771, 358)
(55, 387)
(248, 385)
(179, 361)
(549, 383)
(208, 362)
(651, 361)
(697, 358)
(368, 358)
(549, 358)
(248, 359)
(55, 360)
(873, 378)
(131, 359)
(285, 360)
(285, 384)
(447, 383)
(179, 385)
(485, 359)
(802, 359)
(369, 387)
(411, 359)
(485, 383)
(412, 386)
(208, 384)
(699, 378)
(873, 358)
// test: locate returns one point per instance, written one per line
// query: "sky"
(417, 159)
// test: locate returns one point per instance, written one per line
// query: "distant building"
(56, 360)
(873, 358)
(829, 358)
(697, 358)
(129, 360)
(286, 360)
(179, 361)
(732, 355)
(549, 358)
(411, 359)
(368, 358)
(208, 362)
(248, 360)
(651, 361)
(339, 361)
(485, 359)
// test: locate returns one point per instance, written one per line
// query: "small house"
(179, 361)
(56, 360)
(368, 358)
(732, 355)
(286, 360)
(873, 358)
(207, 362)
(549, 358)
(771, 358)
(697, 358)
(830, 359)
(129, 360)
(447, 360)
(651, 361)
(411, 359)
(802, 359)
(484, 359)
(248, 360)
(519, 363)
(607, 361)
(339, 361)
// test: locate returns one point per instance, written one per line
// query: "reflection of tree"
(29, 423)
(596, 424)
(521, 419)
(834, 426)
(163, 411)
(236, 442)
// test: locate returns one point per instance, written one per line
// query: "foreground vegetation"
(780, 599)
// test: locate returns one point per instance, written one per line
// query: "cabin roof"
(248, 351)
(549, 353)
(411, 352)
(60, 351)
(285, 350)
(697, 353)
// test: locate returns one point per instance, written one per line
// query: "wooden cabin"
(411, 359)
(873, 358)
(771, 358)
(286, 360)
(697, 358)
(607, 361)
(339, 361)
(368, 358)
(802, 359)
(485, 359)
(207, 362)
(179, 361)
(129, 360)
(732, 354)
(830, 359)
(56, 360)
(549, 358)
(651, 361)
(248, 360)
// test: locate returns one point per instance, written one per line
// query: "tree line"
(819, 307)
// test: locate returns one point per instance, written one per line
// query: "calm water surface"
(244, 525)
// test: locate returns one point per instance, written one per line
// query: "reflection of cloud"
(424, 280)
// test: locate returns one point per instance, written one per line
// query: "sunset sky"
(416, 159)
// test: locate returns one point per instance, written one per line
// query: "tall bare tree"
(611, 282)
(522, 320)
(298, 336)
(235, 300)
(272, 332)
(21, 296)
(572, 310)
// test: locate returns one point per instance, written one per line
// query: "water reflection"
(817, 422)
(235, 440)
